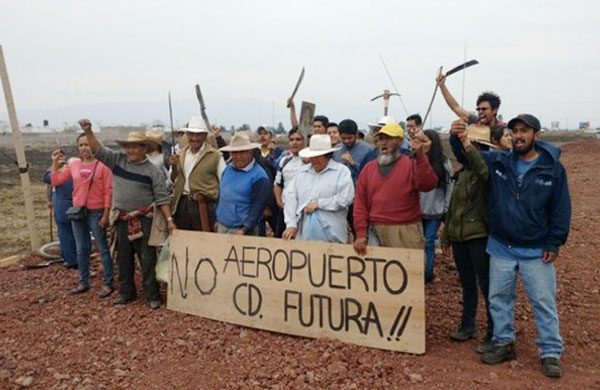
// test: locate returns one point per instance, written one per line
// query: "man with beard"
(488, 104)
(530, 211)
(387, 193)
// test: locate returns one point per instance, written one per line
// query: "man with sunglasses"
(487, 107)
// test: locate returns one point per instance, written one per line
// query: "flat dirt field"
(49, 339)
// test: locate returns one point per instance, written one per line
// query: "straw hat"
(135, 137)
(320, 144)
(480, 134)
(382, 122)
(239, 143)
(195, 125)
(155, 136)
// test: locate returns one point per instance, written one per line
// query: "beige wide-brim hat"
(320, 144)
(195, 125)
(155, 136)
(480, 134)
(386, 120)
(133, 138)
(239, 143)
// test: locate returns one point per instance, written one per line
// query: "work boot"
(499, 354)
(485, 346)
(154, 305)
(464, 334)
(551, 367)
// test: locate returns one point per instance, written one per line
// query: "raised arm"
(450, 101)
(86, 126)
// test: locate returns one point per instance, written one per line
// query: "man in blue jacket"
(243, 190)
(529, 211)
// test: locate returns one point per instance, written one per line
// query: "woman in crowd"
(434, 203)
(92, 199)
(466, 229)
(61, 200)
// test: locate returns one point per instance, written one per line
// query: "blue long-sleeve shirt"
(243, 194)
(358, 151)
(62, 198)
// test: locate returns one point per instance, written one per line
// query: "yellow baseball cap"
(393, 130)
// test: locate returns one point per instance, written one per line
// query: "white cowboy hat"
(239, 143)
(382, 122)
(320, 144)
(195, 125)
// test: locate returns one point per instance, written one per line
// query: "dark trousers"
(126, 261)
(187, 216)
(473, 265)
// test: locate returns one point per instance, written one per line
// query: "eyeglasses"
(482, 108)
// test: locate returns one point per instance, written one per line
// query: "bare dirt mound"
(49, 339)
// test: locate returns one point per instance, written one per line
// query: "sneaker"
(80, 289)
(122, 300)
(463, 334)
(551, 367)
(105, 291)
(154, 304)
(499, 354)
(485, 346)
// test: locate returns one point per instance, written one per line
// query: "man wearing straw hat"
(387, 193)
(137, 187)
(244, 189)
(316, 201)
(196, 171)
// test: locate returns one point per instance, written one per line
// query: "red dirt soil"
(49, 339)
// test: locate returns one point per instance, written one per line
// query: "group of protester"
(506, 211)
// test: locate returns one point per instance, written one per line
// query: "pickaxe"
(300, 78)
(448, 73)
(386, 99)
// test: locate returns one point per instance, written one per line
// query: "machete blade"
(461, 67)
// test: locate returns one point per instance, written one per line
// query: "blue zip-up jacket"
(535, 214)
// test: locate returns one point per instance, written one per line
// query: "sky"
(116, 61)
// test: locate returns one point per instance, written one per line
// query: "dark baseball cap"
(528, 119)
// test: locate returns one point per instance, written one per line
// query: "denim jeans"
(473, 265)
(66, 238)
(430, 229)
(81, 229)
(539, 281)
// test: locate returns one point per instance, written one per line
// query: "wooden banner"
(304, 288)
(307, 116)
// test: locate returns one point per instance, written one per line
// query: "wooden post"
(21, 160)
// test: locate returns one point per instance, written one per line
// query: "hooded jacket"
(538, 212)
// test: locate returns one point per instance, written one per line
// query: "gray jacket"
(434, 203)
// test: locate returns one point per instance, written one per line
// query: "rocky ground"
(49, 339)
